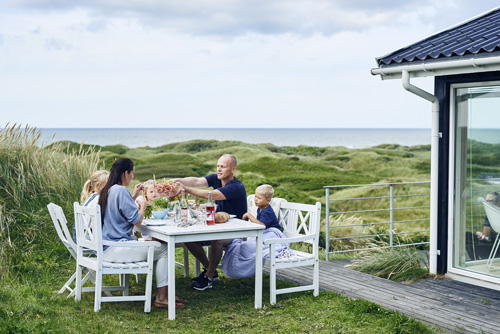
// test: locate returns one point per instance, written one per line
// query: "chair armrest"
(289, 240)
(131, 243)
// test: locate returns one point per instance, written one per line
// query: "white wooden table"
(233, 228)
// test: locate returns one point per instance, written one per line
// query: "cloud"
(57, 44)
(230, 18)
(97, 25)
(127, 63)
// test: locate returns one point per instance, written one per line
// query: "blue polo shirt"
(120, 215)
(236, 195)
(268, 218)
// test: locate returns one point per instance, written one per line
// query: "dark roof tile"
(477, 37)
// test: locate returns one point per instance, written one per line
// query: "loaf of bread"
(221, 217)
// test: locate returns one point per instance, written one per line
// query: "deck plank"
(450, 305)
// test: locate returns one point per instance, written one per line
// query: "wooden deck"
(449, 305)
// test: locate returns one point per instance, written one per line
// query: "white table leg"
(171, 278)
(258, 271)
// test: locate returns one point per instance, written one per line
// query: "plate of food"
(166, 189)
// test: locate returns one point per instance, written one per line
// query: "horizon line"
(223, 128)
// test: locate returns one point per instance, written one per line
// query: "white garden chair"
(300, 223)
(61, 225)
(493, 214)
(89, 236)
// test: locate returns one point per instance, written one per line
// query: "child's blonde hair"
(266, 190)
(147, 184)
(90, 186)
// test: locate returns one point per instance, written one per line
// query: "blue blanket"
(239, 259)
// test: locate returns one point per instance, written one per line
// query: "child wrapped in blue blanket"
(239, 259)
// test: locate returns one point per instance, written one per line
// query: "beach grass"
(32, 176)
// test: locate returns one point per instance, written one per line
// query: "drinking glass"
(191, 199)
(202, 218)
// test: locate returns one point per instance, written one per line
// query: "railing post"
(391, 233)
(327, 224)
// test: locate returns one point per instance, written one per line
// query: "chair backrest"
(275, 204)
(300, 219)
(493, 214)
(88, 228)
(61, 225)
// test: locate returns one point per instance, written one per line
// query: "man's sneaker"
(200, 276)
(202, 284)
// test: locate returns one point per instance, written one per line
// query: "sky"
(214, 63)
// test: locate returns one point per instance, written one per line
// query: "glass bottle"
(184, 207)
(177, 210)
(210, 210)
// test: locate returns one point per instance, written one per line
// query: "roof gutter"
(435, 135)
(438, 68)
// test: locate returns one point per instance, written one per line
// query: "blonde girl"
(93, 187)
(91, 190)
(150, 193)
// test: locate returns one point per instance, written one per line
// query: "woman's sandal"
(178, 306)
(180, 300)
(177, 300)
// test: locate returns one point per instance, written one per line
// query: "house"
(465, 155)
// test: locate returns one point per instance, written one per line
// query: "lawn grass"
(34, 306)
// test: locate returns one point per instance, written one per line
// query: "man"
(488, 232)
(479, 246)
(231, 197)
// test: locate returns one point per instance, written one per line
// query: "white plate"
(156, 222)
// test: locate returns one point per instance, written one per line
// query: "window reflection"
(477, 174)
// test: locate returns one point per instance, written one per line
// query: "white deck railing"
(389, 208)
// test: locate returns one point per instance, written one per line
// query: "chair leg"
(126, 284)
(85, 279)
(78, 295)
(91, 276)
(66, 285)
(149, 288)
(197, 270)
(272, 274)
(493, 252)
(186, 262)
(98, 288)
(316, 278)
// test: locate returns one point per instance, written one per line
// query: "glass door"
(476, 173)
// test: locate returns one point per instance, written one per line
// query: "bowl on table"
(159, 214)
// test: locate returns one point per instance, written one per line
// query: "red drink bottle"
(210, 210)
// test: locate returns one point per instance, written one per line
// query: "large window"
(476, 135)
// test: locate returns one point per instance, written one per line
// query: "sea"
(349, 138)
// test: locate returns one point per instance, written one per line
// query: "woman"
(119, 214)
